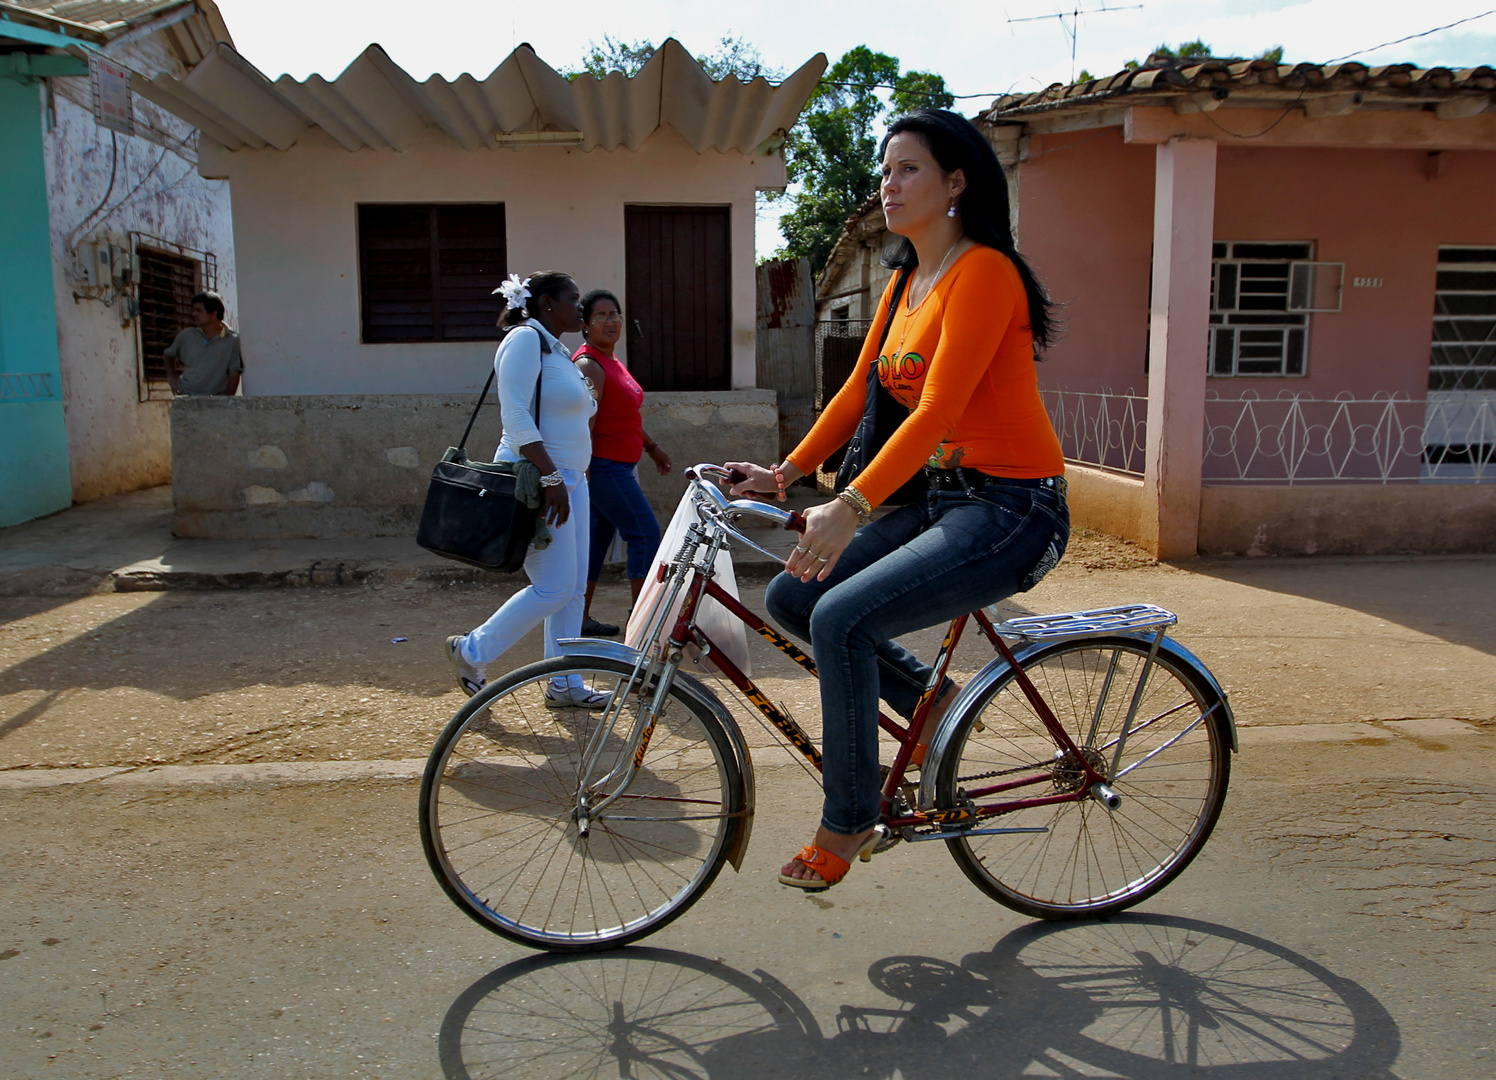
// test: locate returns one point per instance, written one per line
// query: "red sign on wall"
(113, 106)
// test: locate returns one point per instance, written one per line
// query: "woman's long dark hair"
(956, 144)
(543, 283)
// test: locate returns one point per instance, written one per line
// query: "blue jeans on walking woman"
(618, 504)
(946, 555)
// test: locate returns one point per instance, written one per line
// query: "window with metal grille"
(1258, 308)
(427, 272)
(1464, 346)
(167, 283)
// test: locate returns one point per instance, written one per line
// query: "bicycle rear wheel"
(1083, 859)
(499, 819)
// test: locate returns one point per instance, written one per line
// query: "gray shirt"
(206, 362)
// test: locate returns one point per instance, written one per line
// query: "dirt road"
(357, 673)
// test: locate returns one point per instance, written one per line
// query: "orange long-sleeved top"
(963, 362)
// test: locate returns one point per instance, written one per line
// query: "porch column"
(1179, 321)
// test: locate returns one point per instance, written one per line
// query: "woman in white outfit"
(558, 442)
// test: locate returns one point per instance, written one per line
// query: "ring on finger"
(802, 550)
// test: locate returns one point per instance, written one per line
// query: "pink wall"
(1085, 220)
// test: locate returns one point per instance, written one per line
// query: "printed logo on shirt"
(902, 376)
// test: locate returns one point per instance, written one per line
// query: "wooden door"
(678, 297)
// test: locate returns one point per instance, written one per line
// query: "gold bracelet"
(857, 501)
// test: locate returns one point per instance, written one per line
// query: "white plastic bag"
(727, 631)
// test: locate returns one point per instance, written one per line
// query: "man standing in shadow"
(204, 358)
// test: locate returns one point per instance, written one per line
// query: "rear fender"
(998, 669)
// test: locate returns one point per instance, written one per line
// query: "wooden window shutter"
(427, 272)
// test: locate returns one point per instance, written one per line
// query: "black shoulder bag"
(881, 416)
(474, 511)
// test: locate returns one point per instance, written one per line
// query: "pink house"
(1280, 296)
(1296, 266)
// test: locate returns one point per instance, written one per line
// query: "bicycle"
(572, 830)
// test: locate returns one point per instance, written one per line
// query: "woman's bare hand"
(829, 528)
(557, 507)
(760, 480)
(660, 458)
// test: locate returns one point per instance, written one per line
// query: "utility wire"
(1413, 37)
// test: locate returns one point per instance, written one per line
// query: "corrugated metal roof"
(374, 104)
(1253, 81)
(191, 26)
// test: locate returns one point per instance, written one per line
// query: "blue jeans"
(946, 555)
(618, 503)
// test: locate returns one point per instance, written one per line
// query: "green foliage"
(1189, 50)
(1085, 76)
(614, 55)
(732, 56)
(831, 154)
(1275, 54)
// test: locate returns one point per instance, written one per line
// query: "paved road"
(208, 922)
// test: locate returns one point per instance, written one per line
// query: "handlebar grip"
(736, 476)
(796, 523)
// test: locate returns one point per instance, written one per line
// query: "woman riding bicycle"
(959, 352)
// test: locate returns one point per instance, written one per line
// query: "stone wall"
(299, 467)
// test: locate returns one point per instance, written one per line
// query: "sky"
(969, 42)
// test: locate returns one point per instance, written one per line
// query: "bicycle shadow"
(1144, 996)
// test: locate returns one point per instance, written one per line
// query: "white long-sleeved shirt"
(565, 401)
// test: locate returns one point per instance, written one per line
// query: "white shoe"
(470, 677)
(576, 697)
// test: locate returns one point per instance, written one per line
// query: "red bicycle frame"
(684, 632)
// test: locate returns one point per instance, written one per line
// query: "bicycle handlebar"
(787, 519)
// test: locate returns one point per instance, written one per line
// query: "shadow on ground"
(1140, 996)
(1447, 598)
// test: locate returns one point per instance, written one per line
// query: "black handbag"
(881, 416)
(472, 512)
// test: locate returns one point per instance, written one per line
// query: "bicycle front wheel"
(500, 818)
(1083, 859)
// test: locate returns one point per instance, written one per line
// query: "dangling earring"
(952, 211)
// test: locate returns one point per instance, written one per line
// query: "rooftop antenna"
(1072, 28)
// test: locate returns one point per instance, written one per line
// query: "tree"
(831, 154)
(733, 56)
(1189, 50)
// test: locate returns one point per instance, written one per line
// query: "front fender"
(703, 698)
(998, 669)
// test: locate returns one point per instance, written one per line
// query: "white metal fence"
(1100, 428)
(1295, 439)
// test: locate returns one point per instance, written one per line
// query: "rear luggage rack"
(1110, 620)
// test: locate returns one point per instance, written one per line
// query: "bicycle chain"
(1001, 772)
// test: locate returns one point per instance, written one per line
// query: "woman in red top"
(963, 314)
(618, 442)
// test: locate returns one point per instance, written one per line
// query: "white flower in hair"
(515, 292)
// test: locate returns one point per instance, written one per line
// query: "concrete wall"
(1348, 519)
(1087, 212)
(307, 466)
(1105, 502)
(1329, 519)
(33, 440)
(296, 246)
(116, 441)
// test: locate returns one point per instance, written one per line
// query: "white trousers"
(556, 593)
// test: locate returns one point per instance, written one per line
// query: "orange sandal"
(830, 867)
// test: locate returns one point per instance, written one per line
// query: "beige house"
(373, 216)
